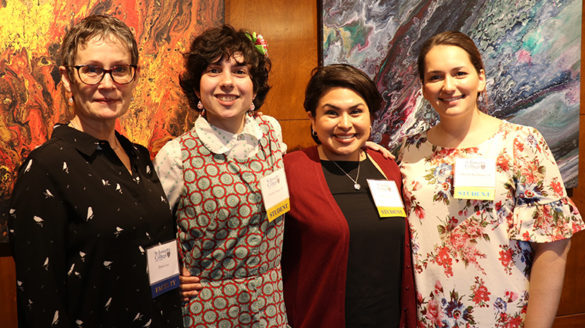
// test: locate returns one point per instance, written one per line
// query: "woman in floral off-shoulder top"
(494, 256)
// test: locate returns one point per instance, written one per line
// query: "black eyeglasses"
(94, 74)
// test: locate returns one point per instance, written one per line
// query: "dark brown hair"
(344, 76)
(216, 44)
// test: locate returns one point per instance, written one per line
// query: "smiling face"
(342, 123)
(226, 92)
(107, 100)
(451, 83)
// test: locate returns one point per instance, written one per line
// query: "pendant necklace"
(356, 185)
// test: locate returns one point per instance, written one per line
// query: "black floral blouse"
(80, 225)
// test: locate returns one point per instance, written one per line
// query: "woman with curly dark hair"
(211, 176)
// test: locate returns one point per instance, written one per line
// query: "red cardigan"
(314, 260)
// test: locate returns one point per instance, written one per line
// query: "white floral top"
(472, 258)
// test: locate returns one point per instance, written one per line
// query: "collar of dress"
(221, 141)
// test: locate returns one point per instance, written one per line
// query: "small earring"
(313, 132)
(252, 108)
(200, 105)
(70, 100)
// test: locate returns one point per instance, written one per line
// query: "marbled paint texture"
(531, 50)
(31, 99)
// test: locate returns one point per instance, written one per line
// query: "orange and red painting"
(31, 100)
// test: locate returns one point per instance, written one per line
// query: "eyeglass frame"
(106, 71)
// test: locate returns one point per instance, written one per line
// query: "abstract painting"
(531, 50)
(31, 99)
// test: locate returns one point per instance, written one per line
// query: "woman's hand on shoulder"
(190, 285)
(385, 152)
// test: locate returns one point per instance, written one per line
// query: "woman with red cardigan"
(343, 264)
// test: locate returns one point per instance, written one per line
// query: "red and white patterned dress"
(472, 258)
(225, 237)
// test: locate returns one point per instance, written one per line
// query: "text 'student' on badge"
(387, 198)
(163, 268)
(275, 194)
(474, 178)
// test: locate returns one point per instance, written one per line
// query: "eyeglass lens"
(93, 74)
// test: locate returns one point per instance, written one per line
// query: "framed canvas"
(531, 50)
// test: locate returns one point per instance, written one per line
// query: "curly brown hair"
(216, 44)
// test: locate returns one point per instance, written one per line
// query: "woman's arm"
(546, 282)
(38, 222)
(168, 165)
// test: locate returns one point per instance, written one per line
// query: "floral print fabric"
(472, 258)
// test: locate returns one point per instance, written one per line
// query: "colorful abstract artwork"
(31, 99)
(531, 50)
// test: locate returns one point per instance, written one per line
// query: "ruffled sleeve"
(543, 212)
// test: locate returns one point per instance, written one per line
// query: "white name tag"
(275, 194)
(475, 178)
(387, 198)
(163, 268)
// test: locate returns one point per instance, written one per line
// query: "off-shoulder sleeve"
(543, 211)
(169, 167)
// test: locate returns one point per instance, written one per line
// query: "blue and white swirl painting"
(531, 50)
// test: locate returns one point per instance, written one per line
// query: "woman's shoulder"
(172, 148)
(309, 154)
(388, 165)
(186, 135)
(270, 121)
(518, 132)
(54, 149)
(518, 128)
(301, 165)
(379, 158)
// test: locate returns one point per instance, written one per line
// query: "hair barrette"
(259, 42)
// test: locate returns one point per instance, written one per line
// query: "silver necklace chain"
(356, 185)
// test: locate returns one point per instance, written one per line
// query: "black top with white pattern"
(80, 224)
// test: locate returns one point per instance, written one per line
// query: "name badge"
(275, 194)
(387, 198)
(163, 268)
(475, 178)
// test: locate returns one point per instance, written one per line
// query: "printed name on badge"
(275, 194)
(163, 268)
(474, 178)
(387, 198)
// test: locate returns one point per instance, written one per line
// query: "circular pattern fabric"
(226, 239)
